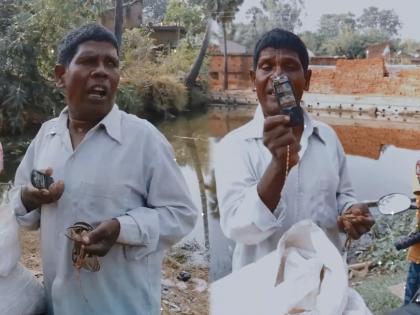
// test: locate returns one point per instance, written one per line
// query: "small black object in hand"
(40, 180)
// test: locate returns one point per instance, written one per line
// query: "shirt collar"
(255, 128)
(111, 122)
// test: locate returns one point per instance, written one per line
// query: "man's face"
(90, 80)
(271, 63)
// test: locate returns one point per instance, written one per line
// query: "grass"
(376, 294)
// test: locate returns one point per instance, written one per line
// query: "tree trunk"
(201, 184)
(195, 69)
(119, 21)
(225, 71)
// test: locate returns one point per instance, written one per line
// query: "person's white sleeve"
(244, 218)
(29, 220)
(345, 193)
(169, 214)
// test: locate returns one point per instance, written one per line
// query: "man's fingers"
(98, 249)
(48, 171)
(56, 189)
(274, 121)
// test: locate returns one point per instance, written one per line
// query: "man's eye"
(266, 67)
(291, 66)
(86, 61)
(112, 64)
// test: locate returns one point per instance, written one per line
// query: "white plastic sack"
(9, 240)
(305, 275)
(21, 293)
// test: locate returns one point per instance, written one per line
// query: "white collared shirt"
(124, 168)
(317, 188)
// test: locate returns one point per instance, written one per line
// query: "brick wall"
(238, 72)
(366, 76)
(359, 76)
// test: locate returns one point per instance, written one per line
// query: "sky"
(407, 10)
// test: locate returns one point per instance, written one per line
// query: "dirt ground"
(178, 297)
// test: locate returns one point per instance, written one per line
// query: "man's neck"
(78, 129)
(80, 126)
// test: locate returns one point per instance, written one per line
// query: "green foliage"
(376, 294)
(311, 40)
(154, 10)
(384, 233)
(153, 81)
(274, 13)
(129, 99)
(344, 34)
(184, 13)
(332, 25)
(27, 54)
(30, 31)
(337, 34)
(385, 21)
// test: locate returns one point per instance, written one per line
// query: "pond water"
(381, 157)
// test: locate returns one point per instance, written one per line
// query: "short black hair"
(69, 44)
(279, 38)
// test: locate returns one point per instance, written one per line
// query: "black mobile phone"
(40, 180)
(286, 99)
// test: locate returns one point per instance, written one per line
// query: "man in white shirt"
(270, 176)
(111, 170)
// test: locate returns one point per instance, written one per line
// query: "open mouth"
(98, 92)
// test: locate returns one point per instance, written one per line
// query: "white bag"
(21, 293)
(9, 240)
(305, 275)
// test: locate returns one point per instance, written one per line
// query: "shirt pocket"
(99, 202)
(326, 212)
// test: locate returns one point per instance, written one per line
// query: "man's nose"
(100, 70)
(277, 70)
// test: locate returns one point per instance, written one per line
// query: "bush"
(384, 233)
(152, 80)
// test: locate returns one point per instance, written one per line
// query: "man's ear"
(307, 79)
(252, 77)
(59, 72)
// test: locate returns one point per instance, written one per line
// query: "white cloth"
(305, 272)
(21, 293)
(9, 240)
(123, 168)
(318, 188)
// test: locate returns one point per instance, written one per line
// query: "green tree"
(348, 43)
(154, 10)
(273, 13)
(28, 54)
(184, 13)
(386, 21)
(332, 25)
(312, 40)
(283, 13)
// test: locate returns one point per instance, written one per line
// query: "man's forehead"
(96, 47)
(278, 52)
